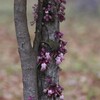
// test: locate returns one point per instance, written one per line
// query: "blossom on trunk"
(43, 66)
(62, 97)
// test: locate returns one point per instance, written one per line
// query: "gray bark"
(33, 80)
(28, 59)
(48, 31)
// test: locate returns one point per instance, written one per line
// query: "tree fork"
(27, 56)
(34, 80)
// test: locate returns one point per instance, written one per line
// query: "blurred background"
(80, 76)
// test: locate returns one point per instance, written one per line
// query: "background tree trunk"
(28, 59)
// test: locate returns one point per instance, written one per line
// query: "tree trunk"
(48, 30)
(33, 79)
(27, 56)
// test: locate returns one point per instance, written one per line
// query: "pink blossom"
(47, 54)
(58, 35)
(61, 55)
(43, 66)
(61, 16)
(62, 97)
(58, 60)
(45, 90)
(46, 11)
(50, 92)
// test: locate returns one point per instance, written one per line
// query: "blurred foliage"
(81, 67)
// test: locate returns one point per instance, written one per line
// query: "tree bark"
(48, 30)
(27, 56)
(33, 79)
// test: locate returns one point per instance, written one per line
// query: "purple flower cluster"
(62, 47)
(58, 35)
(53, 90)
(43, 59)
(45, 56)
(61, 13)
(61, 50)
(47, 13)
